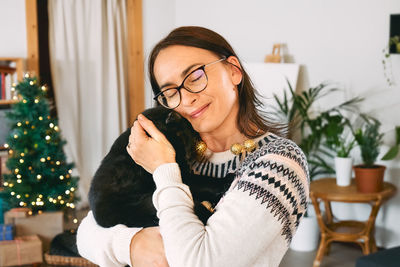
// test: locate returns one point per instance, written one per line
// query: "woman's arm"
(252, 226)
(105, 246)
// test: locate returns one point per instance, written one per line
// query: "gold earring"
(201, 147)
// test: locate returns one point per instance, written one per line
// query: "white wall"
(12, 28)
(158, 21)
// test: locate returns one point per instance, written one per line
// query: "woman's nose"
(188, 98)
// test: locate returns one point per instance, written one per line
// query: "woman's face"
(213, 109)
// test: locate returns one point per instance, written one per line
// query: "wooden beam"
(19, 65)
(135, 102)
(32, 61)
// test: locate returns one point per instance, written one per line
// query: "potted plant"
(298, 110)
(317, 129)
(369, 176)
(343, 162)
(339, 138)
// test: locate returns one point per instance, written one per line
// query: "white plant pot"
(343, 168)
(307, 236)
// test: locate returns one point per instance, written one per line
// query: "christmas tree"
(40, 177)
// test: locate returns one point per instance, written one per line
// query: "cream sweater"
(253, 224)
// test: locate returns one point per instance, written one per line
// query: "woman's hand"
(147, 248)
(149, 151)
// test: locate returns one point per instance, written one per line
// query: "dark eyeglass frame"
(202, 67)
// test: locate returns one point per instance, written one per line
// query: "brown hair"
(250, 117)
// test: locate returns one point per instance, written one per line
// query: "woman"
(196, 72)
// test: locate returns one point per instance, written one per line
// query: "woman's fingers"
(150, 128)
(137, 132)
(149, 151)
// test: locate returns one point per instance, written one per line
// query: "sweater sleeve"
(105, 247)
(253, 223)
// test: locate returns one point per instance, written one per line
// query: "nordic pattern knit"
(253, 223)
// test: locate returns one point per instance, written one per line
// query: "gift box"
(6, 232)
(15, 213)
(46, 225)
(22, 250)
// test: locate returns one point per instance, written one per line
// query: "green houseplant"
(337, 138)
(320, 131)
(342, 144)
(369, 176)
(394, 150)
(317, 132)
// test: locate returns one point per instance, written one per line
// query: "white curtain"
(88, 48)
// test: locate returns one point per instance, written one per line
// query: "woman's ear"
(236, 69)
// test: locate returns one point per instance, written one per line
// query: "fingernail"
(140, 117)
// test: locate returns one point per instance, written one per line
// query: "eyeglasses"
(195, 82)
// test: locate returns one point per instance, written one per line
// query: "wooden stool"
(325, 190)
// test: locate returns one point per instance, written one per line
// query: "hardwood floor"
(341, 254)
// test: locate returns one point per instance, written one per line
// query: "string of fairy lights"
(38, 200)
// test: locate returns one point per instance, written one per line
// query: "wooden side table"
(325, 190)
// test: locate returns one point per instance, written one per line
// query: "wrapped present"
(46, 225)
(22, 250)
(6, 232)
(15, 213)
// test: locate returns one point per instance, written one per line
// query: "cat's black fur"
(121, 191)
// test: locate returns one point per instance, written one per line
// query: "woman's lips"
(197, 113)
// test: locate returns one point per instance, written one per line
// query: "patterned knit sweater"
(253, 223)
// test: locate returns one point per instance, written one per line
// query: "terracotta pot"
(369, 180)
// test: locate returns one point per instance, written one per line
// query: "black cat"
(121, 191)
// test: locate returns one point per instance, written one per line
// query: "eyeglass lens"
(195, 82)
